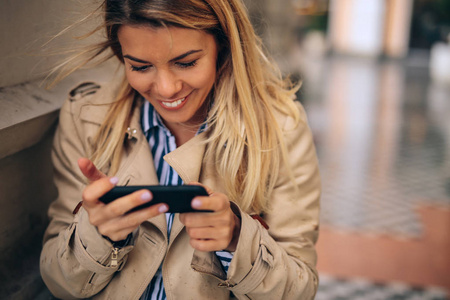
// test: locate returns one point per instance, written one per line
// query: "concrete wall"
(25, 192)
(28, 115)
(26, 25)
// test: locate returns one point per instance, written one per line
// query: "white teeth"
(174, 103)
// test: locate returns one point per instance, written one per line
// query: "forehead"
(162, 43)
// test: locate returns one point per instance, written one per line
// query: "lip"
(177, 107)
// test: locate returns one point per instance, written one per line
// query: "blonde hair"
(244, 138)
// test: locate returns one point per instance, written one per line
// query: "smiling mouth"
(174, 104)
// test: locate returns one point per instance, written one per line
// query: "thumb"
(208, 189)
(89, 170)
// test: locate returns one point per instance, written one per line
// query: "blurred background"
(376, 88)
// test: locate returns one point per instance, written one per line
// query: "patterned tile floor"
(382, 133)
(383, 138)
(362, 289)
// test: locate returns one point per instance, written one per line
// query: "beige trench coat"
(278, 263)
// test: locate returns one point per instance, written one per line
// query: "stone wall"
(28, 115)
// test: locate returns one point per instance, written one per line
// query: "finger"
(116, 236)
(208, 189)
(202, 219)
(210, 233)
(207, 245)
(193, 221)
(137, 217)
(215, 202)
(126, 203)
(97, 189)
(89, 170)
(117, 227)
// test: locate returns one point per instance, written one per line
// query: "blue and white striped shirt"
(162, 142)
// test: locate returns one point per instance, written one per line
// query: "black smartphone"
(177, 197)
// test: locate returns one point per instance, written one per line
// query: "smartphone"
(177, 197)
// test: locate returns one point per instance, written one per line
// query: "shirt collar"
(150, 119)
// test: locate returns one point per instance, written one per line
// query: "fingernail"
(163, 208)
(196, 203)
(114, 180)
(146, 196)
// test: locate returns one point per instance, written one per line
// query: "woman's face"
(172, 68)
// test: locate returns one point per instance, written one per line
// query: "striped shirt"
(162, 142)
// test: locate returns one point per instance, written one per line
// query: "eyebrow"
(172, 60)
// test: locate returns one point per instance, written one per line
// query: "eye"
(139, 69)
(187, 65)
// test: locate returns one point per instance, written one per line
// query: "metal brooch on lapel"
(131, 132)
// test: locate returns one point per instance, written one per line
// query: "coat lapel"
(187, 161)
(137, 167)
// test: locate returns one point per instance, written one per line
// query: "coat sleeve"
(279, 263)
(75, 259)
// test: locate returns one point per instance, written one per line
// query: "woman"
(199, 102)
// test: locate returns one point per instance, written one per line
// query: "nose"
(167, 84)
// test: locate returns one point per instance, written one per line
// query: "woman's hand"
(212, 231)
(111, 219)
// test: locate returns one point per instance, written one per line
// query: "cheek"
(137, 81)
(203, 79)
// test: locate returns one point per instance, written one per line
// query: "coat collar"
(137, 167)
(186, 159)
